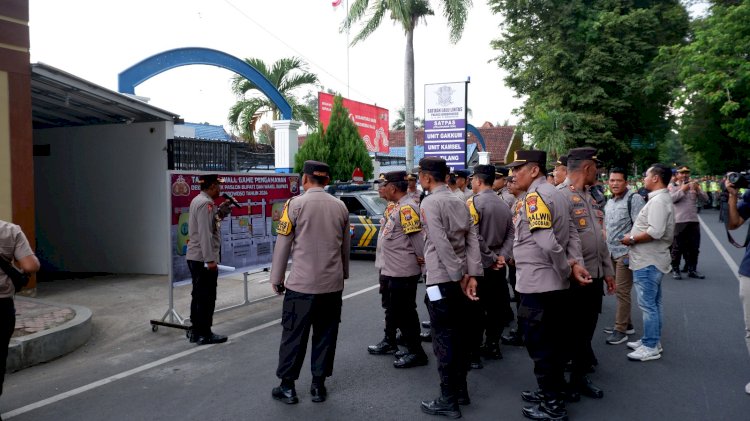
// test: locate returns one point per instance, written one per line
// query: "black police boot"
(285, 392)
(462, 396)
(386, 346)
(318, 391)
(548, 409)
(695, 274)
(513, 338)
(426, 324)
(211, 338)
(583, 385)
(425, 336)
(446, 404)
(535, 396)
(414, 358)
(398, 354)
(491, 350)
(676, 274)
(475, 363)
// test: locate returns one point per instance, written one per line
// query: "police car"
(366, 209)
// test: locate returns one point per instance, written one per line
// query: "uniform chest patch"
(537, 212)
(285, 224)
(473, 211)
(410, 222)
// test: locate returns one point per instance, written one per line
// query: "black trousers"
(204, 297)
(687, 240)
(399, 299)
(300, 313)
(449, 328)
(494, 304)
(585, 306)
(543, 319)
(7, 324)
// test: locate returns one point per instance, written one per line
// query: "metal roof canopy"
(60, 99)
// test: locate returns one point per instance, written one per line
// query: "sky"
(96, 40)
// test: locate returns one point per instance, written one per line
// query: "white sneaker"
(637, 344)
(645, 353)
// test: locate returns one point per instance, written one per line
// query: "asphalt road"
(160, 376)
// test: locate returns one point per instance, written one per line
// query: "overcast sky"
(96, 40)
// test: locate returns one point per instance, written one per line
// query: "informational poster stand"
(248, 235)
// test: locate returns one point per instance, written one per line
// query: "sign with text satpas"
(445, 122)
(371, 121)
(248, 234)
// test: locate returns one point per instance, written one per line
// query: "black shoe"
(553, 410)
(463, 397)
(425, 336)
(442, 406)
(676, 274)
(586, 388)
(476, 363)
(512, 338)
(535, 396)
(318, 392)
(695, 274)
(426, 324)
(192, 336)
(411, 360)
(210, 339)
(382, 348)
(285, 394)
(398, 354)
(492, 351)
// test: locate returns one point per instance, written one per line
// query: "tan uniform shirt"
(402, 240)
(657, 219)
(13, 246)
(685, 203)
(379, 245)
(546, 241)
(589, 220)
(314, 231)
(414, 195)
(451, 245)
(494, 222)
(203, 230)
(508, 198)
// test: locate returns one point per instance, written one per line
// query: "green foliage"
(715, 93)
(592, 60)
(315, 148)
(286, 74)
(340, 146)
(400, 122)
(348, 151)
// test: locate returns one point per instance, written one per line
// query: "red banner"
(371, 120)
(248, 234)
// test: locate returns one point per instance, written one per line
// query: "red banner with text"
(371, 120)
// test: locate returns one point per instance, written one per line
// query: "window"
(353, 205)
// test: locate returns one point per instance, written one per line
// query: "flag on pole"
(335, 3)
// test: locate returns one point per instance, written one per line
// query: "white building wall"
(101, 202)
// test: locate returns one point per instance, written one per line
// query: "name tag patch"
(537, 212)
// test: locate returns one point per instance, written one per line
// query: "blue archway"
(473, 130)
(133, 76)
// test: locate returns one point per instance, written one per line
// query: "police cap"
(583, 154)
(485, 169)
(562, 160)
(501, 172)
(684, 168)
(433, 164)
(411, 176)
(524, 157)
(380, 179)
(316, 168)
(395, 176)
(462, 173)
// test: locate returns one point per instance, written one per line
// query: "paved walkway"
(34, 316)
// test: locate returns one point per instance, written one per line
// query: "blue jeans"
(647, 283)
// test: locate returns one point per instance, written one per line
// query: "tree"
(550, 130)
(714, 94)
(595, 59)
(399, 123)
(287, 75)
(340, 146)
(406, 13)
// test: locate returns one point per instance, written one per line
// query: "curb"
(40, 347)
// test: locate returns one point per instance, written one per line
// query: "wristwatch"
(631, 239)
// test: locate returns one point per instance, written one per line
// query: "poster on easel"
(248, 234)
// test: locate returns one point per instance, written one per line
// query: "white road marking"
(140, 369)
(732, 264)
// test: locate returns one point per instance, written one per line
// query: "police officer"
(314, 230)
(203, 256)
(500, 186)
(16, 250)
(687, 231)
(413, 192)
(561, 169)
(402, 255)
(462, 182)
(494, 222)
(586, 300)
(547, 252)
(453, 262)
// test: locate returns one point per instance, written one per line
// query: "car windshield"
(375, 202)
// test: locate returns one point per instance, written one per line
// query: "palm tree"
(407, 13)
(399, 123)
(286, 74)
(550, 130)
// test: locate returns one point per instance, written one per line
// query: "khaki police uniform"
(451, 251)
(546, 245)
(494, 223)
(402, 243)
(314, 232)
(13, 247)
(508, 198)
(586, 300)
(203, 247)
(687, 231)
